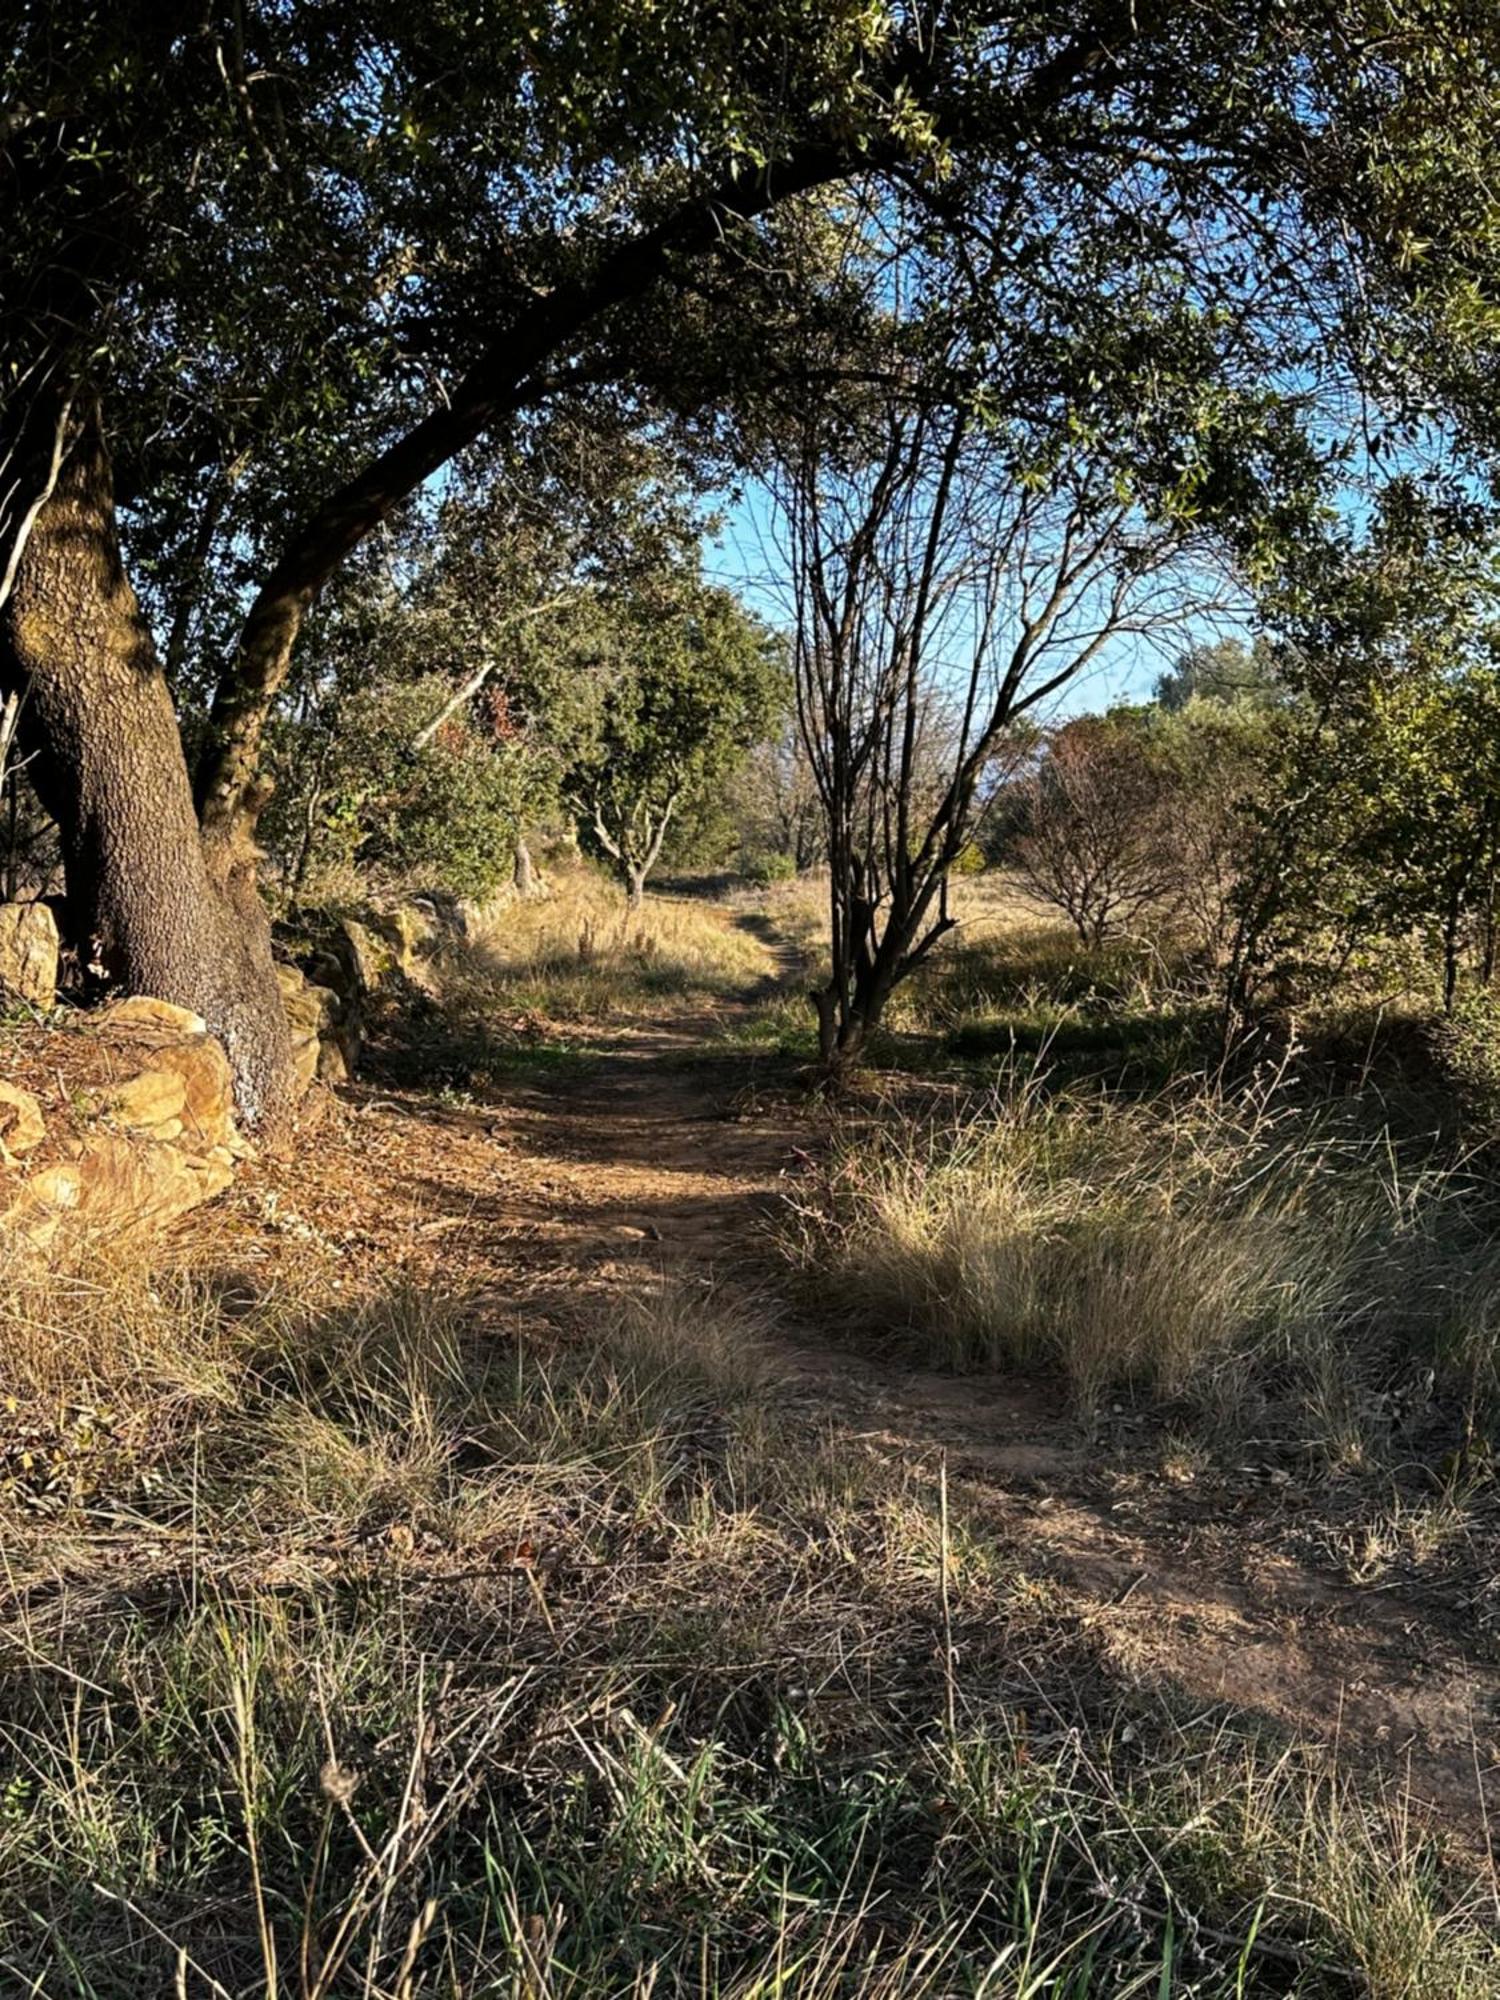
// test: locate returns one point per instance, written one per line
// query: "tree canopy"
(273, 269)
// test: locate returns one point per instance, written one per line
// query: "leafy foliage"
(364, 795)
(1384, 831)
(672, 696)
(1138, 819)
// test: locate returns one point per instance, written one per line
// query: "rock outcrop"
(22, 1125)
(325, 1026)
(28, 953)
(126, 1122)
(334, 968)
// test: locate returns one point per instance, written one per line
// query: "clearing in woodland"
(515, 1550)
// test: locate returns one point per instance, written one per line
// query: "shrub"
(764, 870)
(353, 792)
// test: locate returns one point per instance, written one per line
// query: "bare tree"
(778, 803)
(1095, 838)
(942, 587)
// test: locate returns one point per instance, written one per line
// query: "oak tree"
(267, 269)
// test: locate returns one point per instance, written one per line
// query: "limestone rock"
(28, 952)
(140, 1014)
(141, 1103)
(208, 1089)
(366, 958)
(181, 1047)
(326, 968)
(118, 1186)
(405, 929)
(443, 911)
(333, 1066)
(22, 1125)
(312, 1009)
(323, 1024)
(156, 1139)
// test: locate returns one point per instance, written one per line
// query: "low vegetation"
(577, 953)
(1224, 1251)
(449, 1662)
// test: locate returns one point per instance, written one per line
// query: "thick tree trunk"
(170, 914)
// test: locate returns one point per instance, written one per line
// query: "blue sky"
(741, 556)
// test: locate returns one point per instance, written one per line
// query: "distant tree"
(777, 808)
(672, 696)
(464, 628)
(1226, 671)
(1384, 824)
(1221, 759)
(1141, 818)
(1386, 831)
(1093, 819)
(365, 795)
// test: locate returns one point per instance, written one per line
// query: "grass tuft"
(430, 1662)
(1218, 1250)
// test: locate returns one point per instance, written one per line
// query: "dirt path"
(652, 1166)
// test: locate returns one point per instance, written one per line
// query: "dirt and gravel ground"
(657, 1160)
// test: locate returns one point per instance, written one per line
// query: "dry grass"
(389, 1656)
(1204, 1248)
(578, 954)
(369, 1647)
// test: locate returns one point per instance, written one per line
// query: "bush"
(764, 870)
(354, 793)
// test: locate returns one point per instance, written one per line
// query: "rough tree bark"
(170, 912)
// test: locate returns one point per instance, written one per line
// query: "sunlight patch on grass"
(577, 953)
(1198, 1247)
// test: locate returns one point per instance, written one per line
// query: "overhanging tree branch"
(227, 786)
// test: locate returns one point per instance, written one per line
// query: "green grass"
(384, 1653)
(459, 1048)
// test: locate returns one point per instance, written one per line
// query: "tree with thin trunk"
(1097, 814)
(671, 692)
(942, 589)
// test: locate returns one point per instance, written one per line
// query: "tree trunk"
(1450, 949)
(525, 873)
(170, 914)
(635, 889)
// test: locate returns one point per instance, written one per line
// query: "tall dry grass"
(577, 952)
(394, 1655)
(1219, 1249)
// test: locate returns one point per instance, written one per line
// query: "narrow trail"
(651, 1167)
